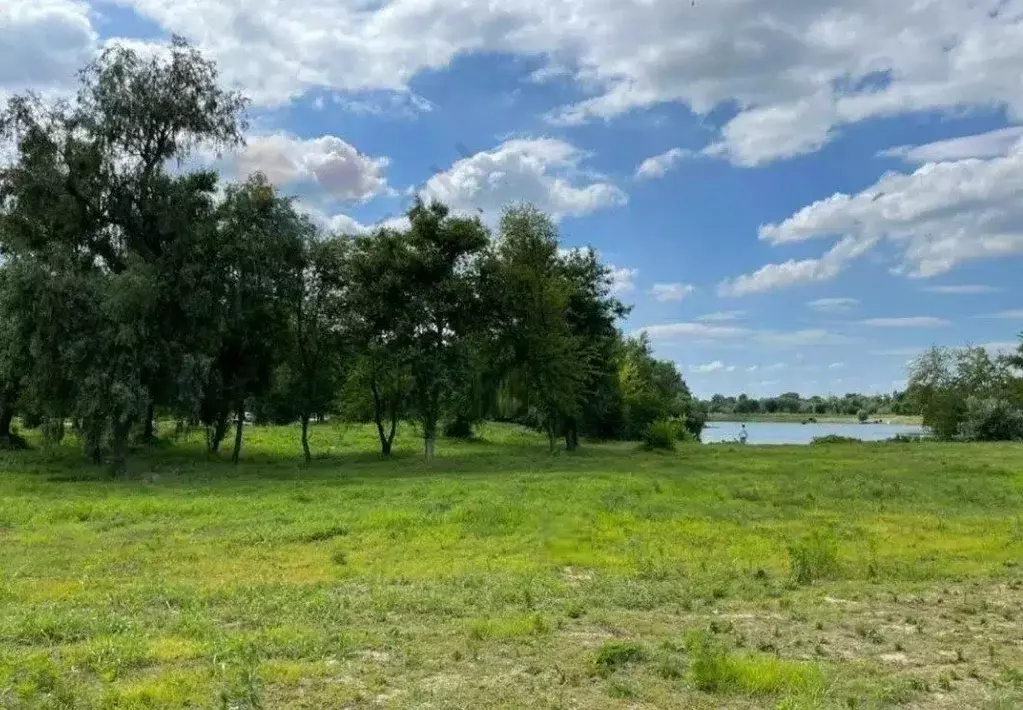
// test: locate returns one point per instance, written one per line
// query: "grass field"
(499, 575)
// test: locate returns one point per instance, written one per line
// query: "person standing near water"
(743, 434)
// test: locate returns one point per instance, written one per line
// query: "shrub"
(836, 439)
(663, 434)
(991, 419)
(660, 435)
(458, 428)
(813, 558)
(862, 415)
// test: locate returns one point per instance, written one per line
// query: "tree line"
(849, 404)
(134, 288)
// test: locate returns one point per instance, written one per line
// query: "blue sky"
(795, 194)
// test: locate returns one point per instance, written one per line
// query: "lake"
(795, 433)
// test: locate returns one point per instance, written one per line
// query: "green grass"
(500, 575)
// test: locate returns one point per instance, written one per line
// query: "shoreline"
(818, 419)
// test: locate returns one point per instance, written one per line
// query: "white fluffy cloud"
(345, 224)
(797, 71)
(333, 166)
(792, 272)
(543, 171)
(658, 165)
(43, 43)
(623, 279)
(983, 145)
(671, 292)
(937, 217)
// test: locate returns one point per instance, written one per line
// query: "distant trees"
(133, 289)
(850, 404)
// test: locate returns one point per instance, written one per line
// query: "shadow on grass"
(189, 462)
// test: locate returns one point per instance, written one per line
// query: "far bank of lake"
(798, 433)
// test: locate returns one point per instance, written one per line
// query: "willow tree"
(94, 201)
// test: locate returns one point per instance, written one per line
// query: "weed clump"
(615, 654)
(835, 439)
(814, 558)
(714, 670)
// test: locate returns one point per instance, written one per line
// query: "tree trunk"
(119, 447)
(219, 432)
(378, 417)
(148, 437)
(6, 415)
(571, 435)
(305, 438)
(429, 434)
(239, 424)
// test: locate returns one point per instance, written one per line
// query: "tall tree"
(593, 315)
(91, 201)
(442, 305)
(381, 329)
(544, 363)
(321, 323)
(262, 258)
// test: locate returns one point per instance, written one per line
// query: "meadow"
(501, 575)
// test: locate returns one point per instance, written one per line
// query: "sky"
(794, 194)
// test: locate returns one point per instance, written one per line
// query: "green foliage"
(991, 419)
(660, 435)
(862, 415)
(663, 434)
(966, 394)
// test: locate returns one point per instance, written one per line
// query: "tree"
(652, 389)
(262, 262)
(381, 330)
(541, 359)
(953, 387)
(442, 305)
(320, 322)
(90, 202)
(593, 316)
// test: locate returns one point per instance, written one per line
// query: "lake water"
(795, 433)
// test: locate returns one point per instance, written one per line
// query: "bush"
(663, 434)
(458, 428)
(991, 419)
(862, 415)
(835, 439)
(696, 420)
(660, 435)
